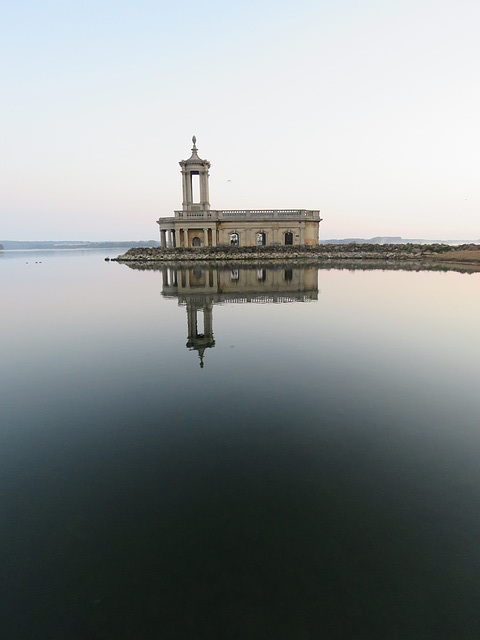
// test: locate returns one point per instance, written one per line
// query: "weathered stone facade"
(196, 225)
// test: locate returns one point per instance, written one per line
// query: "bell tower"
(200, 341)
(195, 182)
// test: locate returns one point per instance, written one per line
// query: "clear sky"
(367, 110)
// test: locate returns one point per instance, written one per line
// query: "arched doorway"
(289, 237)
(234, 239)
(196, 242)
(261, 239)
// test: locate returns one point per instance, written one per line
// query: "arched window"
(289, 237)
(261, 239)
(196, 242)
(234, 239)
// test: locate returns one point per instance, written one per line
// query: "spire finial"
(194, 140)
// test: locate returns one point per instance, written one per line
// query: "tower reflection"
(200, 288)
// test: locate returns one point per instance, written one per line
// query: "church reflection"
(199, 289)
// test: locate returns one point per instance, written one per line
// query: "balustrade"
(242, 214)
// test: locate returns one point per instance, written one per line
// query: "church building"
(196, 225)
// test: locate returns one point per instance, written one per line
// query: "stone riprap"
(419, 253)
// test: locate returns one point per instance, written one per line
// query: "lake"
(241, 452)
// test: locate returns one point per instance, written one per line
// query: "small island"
(198, 234)
(465, 257)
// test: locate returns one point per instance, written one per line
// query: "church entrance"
(196, 242)
(261, 239)
(234, 239)
(288, 238)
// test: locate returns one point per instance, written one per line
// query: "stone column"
(191, 321)
(302, 233)
(185, 189)
(208, 320)
(185, 237)
(201, 179)
(205, 237)
(205, 186)
(214, 236)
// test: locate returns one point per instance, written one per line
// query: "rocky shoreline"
(357, 255)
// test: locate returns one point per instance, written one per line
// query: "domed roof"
(194, 158)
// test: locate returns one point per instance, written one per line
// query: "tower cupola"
(195, 182)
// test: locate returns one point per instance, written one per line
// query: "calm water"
(260, 453)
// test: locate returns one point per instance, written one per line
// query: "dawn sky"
(368, 111)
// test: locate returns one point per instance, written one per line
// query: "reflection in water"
(201, 288)
(321, 480)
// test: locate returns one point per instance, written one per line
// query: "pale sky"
(366, 110)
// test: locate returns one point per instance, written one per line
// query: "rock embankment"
(424, 253)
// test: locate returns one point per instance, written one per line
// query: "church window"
(261, 275)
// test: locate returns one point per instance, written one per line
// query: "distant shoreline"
(69, 245)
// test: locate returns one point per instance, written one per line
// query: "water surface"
(238, 453)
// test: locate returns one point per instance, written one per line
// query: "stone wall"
(465, 258)
(351, 251)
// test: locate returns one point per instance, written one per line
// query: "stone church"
(196, 225)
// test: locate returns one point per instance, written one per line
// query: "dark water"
(318, 477)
